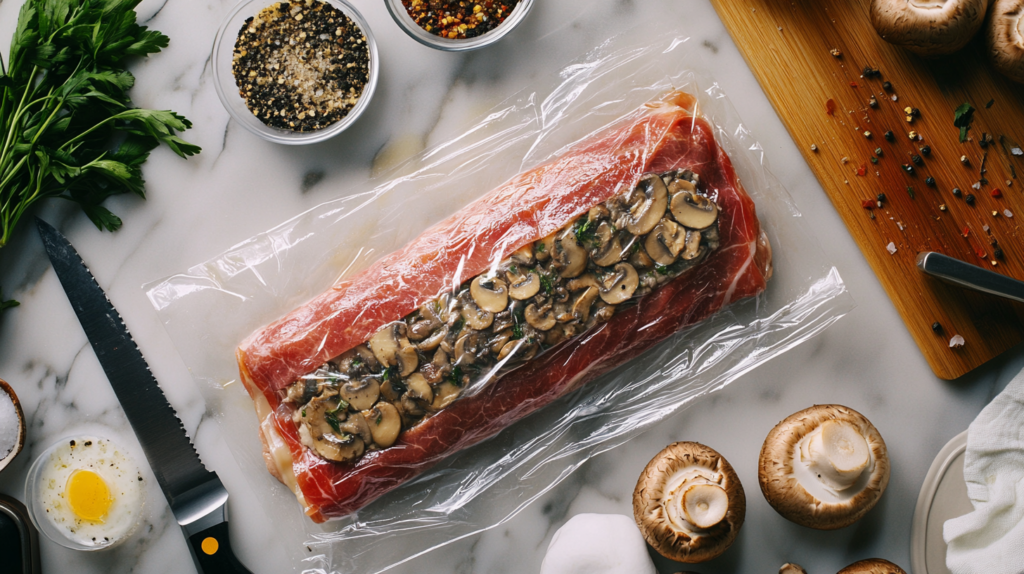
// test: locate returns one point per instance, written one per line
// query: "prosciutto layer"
(661, 136)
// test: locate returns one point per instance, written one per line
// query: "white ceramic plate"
(943, 496)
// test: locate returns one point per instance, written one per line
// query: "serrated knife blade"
(196, 496)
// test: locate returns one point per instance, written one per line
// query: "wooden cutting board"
(788, 46)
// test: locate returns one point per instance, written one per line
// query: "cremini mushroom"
(419, 389)
(647, 203)
(665, 242)
(1005, 38)
(928, 27)
(358, 360)
(790, 568)
(543, 249)
(361, 394)
(608, 251)
(384, 423)
(478, 319)
(523, 255)
(872, 566)
(391, 391)
(569, 258)
(444, 394)
(602, 312)
(466, 348)
(694, 211)
(678, 185)
(689, 503)
(392, 348)
(320, 429)
(619, 285)
(540, 318)
(691, 246)
(302, 390)
(823, 467)
(356, 425)
(427, 323)
(581, 306)
(490, 294)
(523, 287)
(638, 257)
(434, 340)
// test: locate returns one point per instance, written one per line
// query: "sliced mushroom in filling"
(541, 295)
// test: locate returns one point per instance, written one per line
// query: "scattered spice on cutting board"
(459, 19)
(301, 66)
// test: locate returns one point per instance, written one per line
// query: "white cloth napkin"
(990, 540)
(598, 544)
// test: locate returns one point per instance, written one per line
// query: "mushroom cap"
(872, 566)
(928, 27)
(20, 441)
(791, 499)
(651, 514)
(1005, 38)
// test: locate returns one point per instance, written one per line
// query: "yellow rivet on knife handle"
(210, 545)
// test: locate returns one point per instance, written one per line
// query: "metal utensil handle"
(970, 276)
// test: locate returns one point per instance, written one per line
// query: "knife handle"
(211, 549)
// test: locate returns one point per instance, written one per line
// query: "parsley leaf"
(545, 282)
(68, 128)
(6, 304)
(456, 376)
(962, 118)
(332, 419)
(584, 230)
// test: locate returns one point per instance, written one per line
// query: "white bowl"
(37, 510)
(227, 90)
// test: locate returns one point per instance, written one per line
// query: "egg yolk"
(88, 495)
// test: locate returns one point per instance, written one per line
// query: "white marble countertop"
(240, 186)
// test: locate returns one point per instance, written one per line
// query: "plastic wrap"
(536, 164)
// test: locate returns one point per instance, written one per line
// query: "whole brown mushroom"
(824, 467)
(872, 566)
(1005, 38)
(928, 27)
(689, 503)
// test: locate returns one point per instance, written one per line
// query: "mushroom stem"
(705, 505)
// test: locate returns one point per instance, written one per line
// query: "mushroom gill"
(823, 467)
(689, 503)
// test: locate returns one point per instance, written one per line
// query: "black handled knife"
(196, 496)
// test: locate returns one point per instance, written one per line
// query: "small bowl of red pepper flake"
(458, 25)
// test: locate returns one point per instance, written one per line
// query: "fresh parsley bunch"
(68, 127)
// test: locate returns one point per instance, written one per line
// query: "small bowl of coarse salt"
(295, 72)
(12, 425)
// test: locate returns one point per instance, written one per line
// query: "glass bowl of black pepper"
(295, 72)
(458, 25)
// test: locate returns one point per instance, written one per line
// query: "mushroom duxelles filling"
(541, 295)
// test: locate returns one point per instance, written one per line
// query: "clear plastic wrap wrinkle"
(495, 312)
